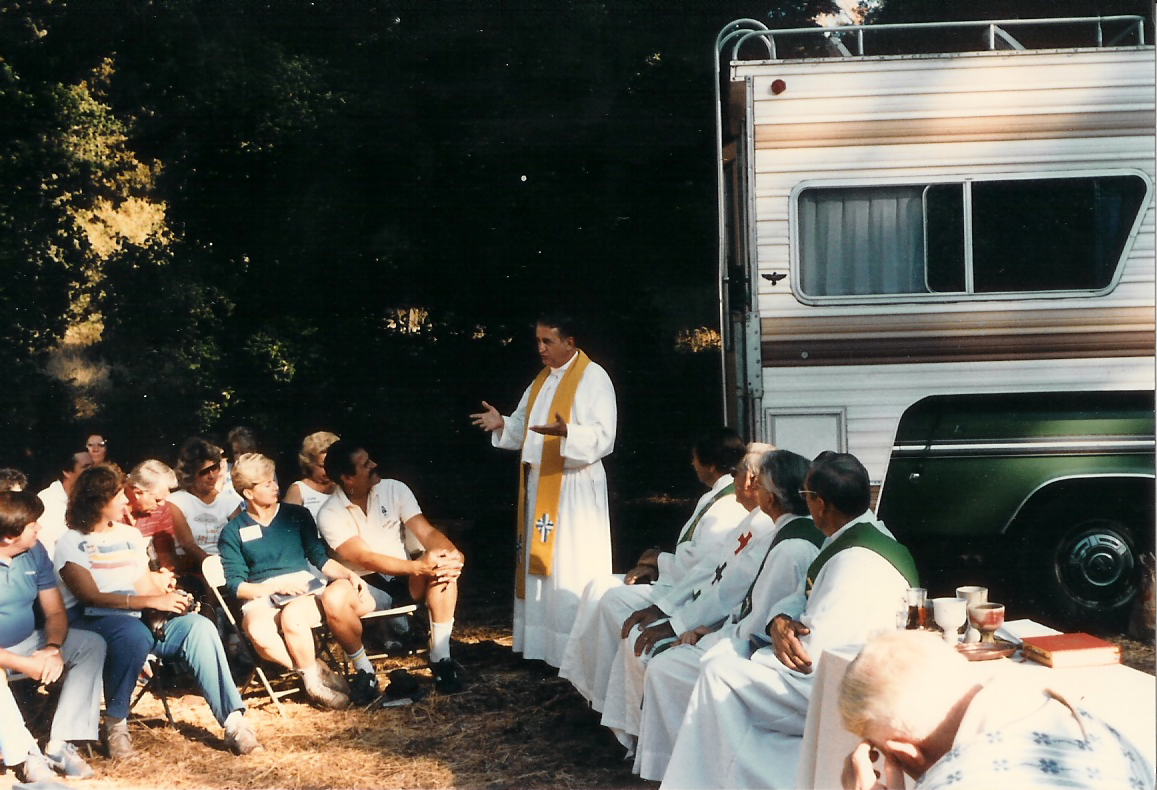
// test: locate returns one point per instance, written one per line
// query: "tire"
(1081, 568)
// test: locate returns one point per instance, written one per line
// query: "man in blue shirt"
(43, 654)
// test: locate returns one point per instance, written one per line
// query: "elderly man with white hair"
(148, 487)
(932, 715)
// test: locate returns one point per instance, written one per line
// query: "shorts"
(264, 608)
(388, 592)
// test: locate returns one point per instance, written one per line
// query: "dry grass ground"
(517, 726)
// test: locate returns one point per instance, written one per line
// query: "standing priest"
(564, 426)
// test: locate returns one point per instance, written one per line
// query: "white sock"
(55, 748)
(360, 661)
(233, 719)
(440, 640)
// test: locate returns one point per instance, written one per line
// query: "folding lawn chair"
(214, 574)
(154, 671)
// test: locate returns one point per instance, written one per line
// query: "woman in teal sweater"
(266, 552)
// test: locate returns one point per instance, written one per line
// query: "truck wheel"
(1084, 569)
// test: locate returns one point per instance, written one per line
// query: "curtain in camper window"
(861, 241)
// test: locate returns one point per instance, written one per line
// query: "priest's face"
(553, 349)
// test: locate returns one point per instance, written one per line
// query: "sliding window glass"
(1012, 236)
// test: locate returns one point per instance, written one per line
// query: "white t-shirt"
(52, 524)
(116, 558)
(205, 521)
(390, 506)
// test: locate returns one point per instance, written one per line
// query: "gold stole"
(549, 477)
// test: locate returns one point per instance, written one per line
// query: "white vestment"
(607, 602)
(727, 579)
(671, 676)
(744, 724)
(582, 533)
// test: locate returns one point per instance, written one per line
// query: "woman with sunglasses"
(107, 584)
(200, 509)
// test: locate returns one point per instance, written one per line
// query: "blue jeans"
(190, 637)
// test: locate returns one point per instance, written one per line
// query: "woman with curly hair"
(107, 585)
(315, 487)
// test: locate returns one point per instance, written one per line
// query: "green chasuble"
(866, 536)
(800, 528)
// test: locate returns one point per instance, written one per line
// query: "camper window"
(973, 237)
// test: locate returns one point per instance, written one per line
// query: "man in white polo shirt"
(372, 525)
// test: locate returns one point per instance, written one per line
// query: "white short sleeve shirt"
(205, 521)
(383, 527)
(116, 558)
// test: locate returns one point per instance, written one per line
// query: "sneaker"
(447, 676)
(364, 688)
(322, 694)
(241, 739)
(68, 763)
(116, 739)
(402, 689)
(35, 769)
(332, 679)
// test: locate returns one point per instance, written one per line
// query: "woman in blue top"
(266, 551)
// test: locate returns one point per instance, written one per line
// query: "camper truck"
(937, 254)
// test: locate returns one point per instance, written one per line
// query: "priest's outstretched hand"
(489, 419)
(556, 428)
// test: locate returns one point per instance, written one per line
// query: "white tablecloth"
(1124, 697)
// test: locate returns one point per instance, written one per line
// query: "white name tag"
(252, 532)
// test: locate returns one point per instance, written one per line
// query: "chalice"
(972, 595)
(986, 618)
(950, 614)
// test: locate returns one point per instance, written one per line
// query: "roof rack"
(850, 40)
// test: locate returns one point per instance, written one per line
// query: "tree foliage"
(303, 215)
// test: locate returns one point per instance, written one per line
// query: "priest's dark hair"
(842, 480)
(719, 448)
(563, 322)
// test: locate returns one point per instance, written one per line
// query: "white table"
(1124, 697)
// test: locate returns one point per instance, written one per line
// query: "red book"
(1070, 650)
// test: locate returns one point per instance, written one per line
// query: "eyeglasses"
(97, 444)
(806, 492)
(208, 470)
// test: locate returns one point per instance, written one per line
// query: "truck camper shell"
(928, 211)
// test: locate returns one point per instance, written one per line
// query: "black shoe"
(447, 676)
(364, 688)
(403, 688)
